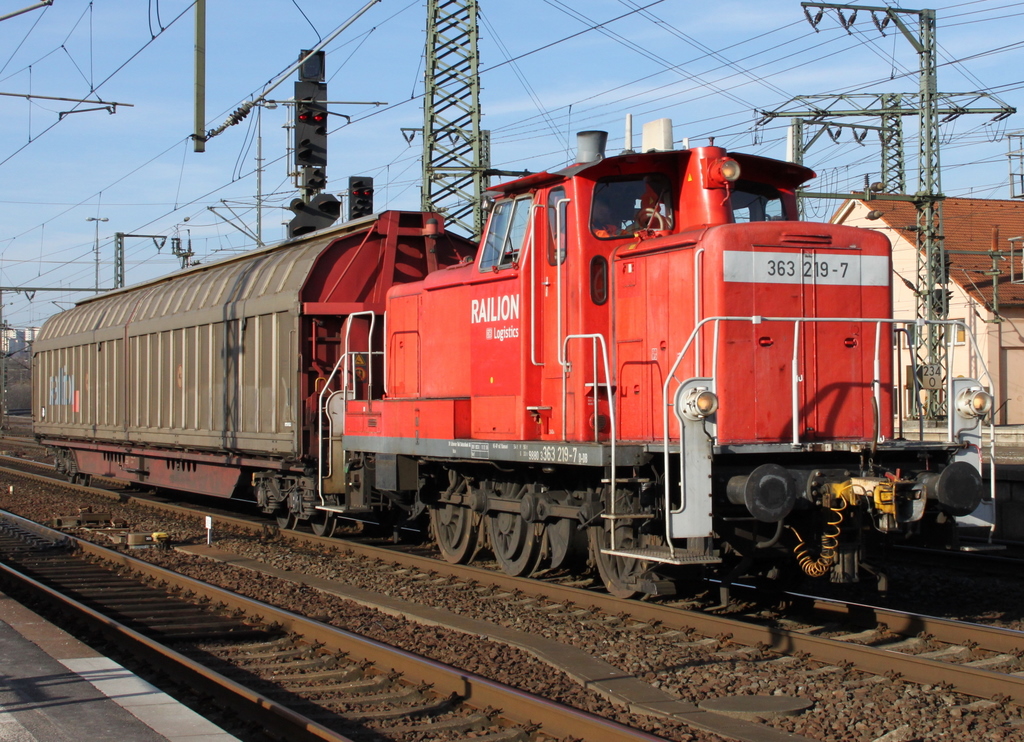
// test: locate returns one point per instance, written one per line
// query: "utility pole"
(1016, 155)
(199, 120)
(158, 239)
(456, 151)
(4, 345)
(932, 274)
(97, 219)
(259, 177)
(37, 6)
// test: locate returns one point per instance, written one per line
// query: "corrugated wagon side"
(201, 379)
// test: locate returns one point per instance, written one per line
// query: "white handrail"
(795, 383)
(531, 249)
(698, 282)
(596, 339)
(692, 340)
(877, 383)
(560, 259)
(322, 405)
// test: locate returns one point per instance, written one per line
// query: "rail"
(511, 708)
(870, 659)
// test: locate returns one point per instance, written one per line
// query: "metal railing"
(597, 342)
(796, 378)
(346, 364)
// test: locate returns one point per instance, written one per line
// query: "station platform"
(54, 688)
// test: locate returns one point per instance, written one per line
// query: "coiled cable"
(820, 566)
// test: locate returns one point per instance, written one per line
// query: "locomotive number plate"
(794, 267)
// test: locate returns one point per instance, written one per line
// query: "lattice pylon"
(456, 152)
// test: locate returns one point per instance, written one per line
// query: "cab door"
(497, 322)
(551, 284)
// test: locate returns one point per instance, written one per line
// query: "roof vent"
(657, 136)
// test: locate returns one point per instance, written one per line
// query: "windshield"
(757, 202)
(624, 206)
(505, 232)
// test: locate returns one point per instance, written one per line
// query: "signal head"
(360, 196)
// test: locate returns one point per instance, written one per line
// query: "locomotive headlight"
(696, 403)
(974, 402)
(723, 171)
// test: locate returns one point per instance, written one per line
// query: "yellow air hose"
(829, 542)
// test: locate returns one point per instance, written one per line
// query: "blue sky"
(550, 68)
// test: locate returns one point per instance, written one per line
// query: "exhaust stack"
(590, 146)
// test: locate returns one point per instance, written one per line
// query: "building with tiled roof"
(986, 283)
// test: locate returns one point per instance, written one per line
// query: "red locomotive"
(648, 364)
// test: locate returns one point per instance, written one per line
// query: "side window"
(557, 218)
(599, 279)
(506, 231)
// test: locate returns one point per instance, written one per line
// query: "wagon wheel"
(81, 479)
(454, 528)
(323, 523)
(286, 519)
(515, 543)
(619, 574)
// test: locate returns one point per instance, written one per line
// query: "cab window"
(757, 202)
(557, 218)
(506, 231)
(624, 206)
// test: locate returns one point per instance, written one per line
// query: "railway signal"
(360, 196)
(310, 124)
(321, 212)
(314, 179)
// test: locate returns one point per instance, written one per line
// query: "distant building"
(987, 285)
(17, 339)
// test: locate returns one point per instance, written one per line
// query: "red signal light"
(360, 192)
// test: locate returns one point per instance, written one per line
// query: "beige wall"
(1000, 346)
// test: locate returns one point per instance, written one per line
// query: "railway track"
(879, 644)
(1001, 562)
(298, 678)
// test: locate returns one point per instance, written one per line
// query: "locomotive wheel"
(323, 523)
(565, 542)
(618, 573)
(454, 528)
(515, 543)
(286, 519)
